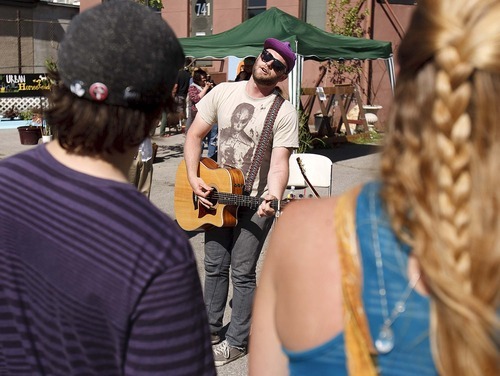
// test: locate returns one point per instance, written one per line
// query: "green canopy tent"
(309, 42)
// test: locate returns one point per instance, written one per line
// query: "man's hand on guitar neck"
(265, 209)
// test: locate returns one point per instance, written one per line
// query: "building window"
(63, 2)
(255, 7)
(314, 12)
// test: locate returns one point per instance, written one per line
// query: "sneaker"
(215, 338)
(223, 353)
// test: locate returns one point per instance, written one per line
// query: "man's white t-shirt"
(240, 119)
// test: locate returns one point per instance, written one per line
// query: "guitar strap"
(264, 142)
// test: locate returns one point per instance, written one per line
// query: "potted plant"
(38, 119)
(46, 132)
(29, 134)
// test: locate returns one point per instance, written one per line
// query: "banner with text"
(24, 85)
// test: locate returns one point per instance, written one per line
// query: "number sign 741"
(202, 9)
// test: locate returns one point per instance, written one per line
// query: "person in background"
(182, 86)
(246, 71)
(210, 140)
(141, 170)
(180, 93)
(166, 118)
(97, 280)
(414, 258)
(239, 248)
(197, 90)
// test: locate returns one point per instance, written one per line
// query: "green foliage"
(347, 17)
(368, 138)
(50, 65)
(153, 4)
(46, 131)
(26, 115)
(305, 138)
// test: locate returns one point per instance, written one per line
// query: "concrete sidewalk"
(353, 165)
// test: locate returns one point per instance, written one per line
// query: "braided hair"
(441, 174)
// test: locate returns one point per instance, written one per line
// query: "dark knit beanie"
(120, 53)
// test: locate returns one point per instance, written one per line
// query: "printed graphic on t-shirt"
(237, 142)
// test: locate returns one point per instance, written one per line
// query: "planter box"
(29, 135)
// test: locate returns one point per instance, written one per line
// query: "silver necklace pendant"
(385, 340)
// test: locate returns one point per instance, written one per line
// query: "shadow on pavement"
(348, 150)
(189, 234)
(166, 152)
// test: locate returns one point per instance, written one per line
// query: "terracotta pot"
(29, 135)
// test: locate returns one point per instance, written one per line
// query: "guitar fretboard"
(241, 200)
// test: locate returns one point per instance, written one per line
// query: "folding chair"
(318, 170)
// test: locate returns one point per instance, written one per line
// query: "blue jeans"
(211, 140)
(237, 248)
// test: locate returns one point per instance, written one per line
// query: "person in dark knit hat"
(240, 109)
(98, 281)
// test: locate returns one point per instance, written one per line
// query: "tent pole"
(389, 63)
(295, 79)
(366, 85)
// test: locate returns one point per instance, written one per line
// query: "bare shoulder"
(303, 220)
(306, 274)
(321, 206)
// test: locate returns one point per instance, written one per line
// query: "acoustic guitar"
(226, 197)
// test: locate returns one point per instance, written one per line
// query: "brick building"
(386, 21)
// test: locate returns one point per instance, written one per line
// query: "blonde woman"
(427, 235)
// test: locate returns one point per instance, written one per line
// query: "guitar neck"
(306, 179)
(241, 200)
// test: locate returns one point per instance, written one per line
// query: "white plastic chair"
(318, 170)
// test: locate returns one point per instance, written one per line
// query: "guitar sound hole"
(213, 197)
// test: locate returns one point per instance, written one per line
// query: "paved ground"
(353, 164)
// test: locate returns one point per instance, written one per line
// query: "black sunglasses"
(277, 65)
